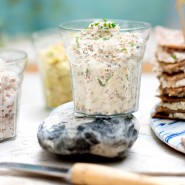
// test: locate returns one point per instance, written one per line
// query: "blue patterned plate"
(170, 132)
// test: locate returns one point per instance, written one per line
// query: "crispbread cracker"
(172, 81)
(170, 38)
(160, 108)
(177, 92)
(169, 56)
(171, 99)
(173, 78)
(167, 116)
(173, 67)
(170, 68)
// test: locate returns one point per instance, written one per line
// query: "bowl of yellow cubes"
(54, 67)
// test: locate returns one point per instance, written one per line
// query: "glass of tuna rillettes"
(105, 59)
(53, 66)
(12, 66)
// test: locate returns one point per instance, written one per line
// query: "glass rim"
(17, 59)
(143, 25)
(43, 32)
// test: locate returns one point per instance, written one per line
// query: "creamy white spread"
(177, 115)
(8, 102)
(172, 84)
(105, 65)
(174, 105)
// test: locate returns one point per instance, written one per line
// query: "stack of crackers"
(170, 69)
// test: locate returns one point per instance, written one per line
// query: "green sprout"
(174, 57)
(105, 39)
(124, 49)
(77, 42)
(113, 25)
(106, 81)
(132, 44)
(96, 24)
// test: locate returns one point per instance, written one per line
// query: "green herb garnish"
(77, 42)
(174, 57)
(109, 77)
(105, 25)
(87, 72)
(106, 81)
(124, 49)
(96, 24)
(126, 76)
(105, 39)
(132, 44)
(101, 83)
(109, 25)
(113, 25)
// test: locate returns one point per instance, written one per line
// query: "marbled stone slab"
(64, 134)
(170, 132)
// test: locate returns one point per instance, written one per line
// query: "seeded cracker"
(170, 61)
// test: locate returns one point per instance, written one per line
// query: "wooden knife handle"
(91, 174)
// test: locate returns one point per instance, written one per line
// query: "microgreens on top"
(103, 24)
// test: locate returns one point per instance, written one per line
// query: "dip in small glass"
(105, 58)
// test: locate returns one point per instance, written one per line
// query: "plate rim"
(160, 138)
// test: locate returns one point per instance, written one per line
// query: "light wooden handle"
(91, 174)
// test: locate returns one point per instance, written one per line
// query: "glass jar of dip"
(105, 58)
(54, 67)
(12, 65)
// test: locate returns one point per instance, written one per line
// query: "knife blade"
(37, 169)
(88, 174)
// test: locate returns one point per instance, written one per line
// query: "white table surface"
(148, 154)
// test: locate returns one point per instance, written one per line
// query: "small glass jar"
(54, 67)
(105, 59)
(12, 66)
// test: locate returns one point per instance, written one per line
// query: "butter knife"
(88, 174)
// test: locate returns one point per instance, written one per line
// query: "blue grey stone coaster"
(62, 133)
